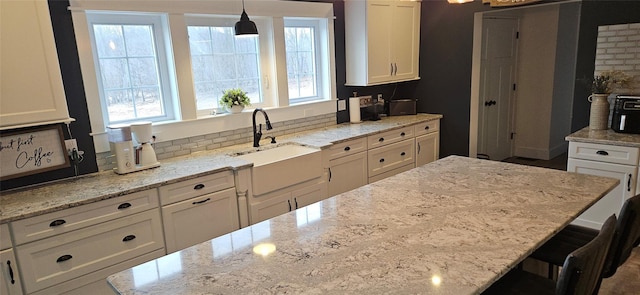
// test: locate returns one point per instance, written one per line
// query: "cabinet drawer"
(390, 173)
(390, 137)
(195, 187)
(200, 219)
(347, 148)
(57, 259)
(390, 157)
(604, 153)
(427, 127)
(5, 238)
(43, 226)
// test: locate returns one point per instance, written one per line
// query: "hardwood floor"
(626, 281)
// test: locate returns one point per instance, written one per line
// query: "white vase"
(235, 109)
(599, 114)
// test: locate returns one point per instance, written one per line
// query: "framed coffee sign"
(34, 151)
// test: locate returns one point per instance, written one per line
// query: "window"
(131, 66)
(303, 73)
(220, 61)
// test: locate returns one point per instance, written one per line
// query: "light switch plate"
(342, 105)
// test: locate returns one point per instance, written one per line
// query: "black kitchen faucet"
(258, 134)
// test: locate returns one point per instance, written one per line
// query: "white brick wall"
(619, 49)
(186, 146)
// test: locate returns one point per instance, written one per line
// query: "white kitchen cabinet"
(427, 142)
(200, 219)
(382, 40)
(286, 200)
(619, 162)
(199, 209)
(390, 152)
(54, 260)
(347, 166)
(10, 283)
(32, 92)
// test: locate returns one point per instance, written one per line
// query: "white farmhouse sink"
(283, 166)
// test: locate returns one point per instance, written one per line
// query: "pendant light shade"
(245, 26)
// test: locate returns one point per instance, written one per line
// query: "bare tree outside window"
(129, 71)
(301, 62)
(220, 61)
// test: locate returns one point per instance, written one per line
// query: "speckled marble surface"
(453, 226)
(90, 188)
(605, 137)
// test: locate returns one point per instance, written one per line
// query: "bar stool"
(626, 237)
(579, 275)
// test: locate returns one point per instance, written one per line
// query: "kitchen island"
(453, 226)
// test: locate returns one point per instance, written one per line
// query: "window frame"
(159, 26)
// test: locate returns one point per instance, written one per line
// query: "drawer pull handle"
(198, 186)
(58, 222)
(381, 139)
(382, 160)
(346, 149)
(402, 134)
(426, 127)
(124, 206)
(128, 238)
(200, 202)
(402, 154)
(64, 258)
(602, 153)
(13, 281)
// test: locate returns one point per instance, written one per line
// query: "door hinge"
(517, 35)
(512, 133)
(514, 86)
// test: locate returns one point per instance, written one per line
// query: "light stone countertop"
(73, 192)
(453, 226)
(608, 136)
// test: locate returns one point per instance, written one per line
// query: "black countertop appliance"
(626, 114)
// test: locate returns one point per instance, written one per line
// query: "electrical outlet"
(71, 144)
(379, 96)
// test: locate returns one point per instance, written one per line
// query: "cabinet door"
(347, 173)
(405, 39)
(380, 66)
(612, 202)
(10, 283)
(271, 207)
(427, 148)
(200, 219)
(309, 195)
(31, 88)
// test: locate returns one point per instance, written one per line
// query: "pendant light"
(245, 27)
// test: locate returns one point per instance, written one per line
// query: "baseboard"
(533, 153)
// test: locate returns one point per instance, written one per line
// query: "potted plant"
(601, 87)
(235, 100)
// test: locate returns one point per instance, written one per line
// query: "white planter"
(236, 109)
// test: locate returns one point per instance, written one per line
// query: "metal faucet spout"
(257, 134)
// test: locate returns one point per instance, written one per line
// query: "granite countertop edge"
(72, 192)
(607, 136)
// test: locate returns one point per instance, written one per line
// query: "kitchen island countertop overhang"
(453, 226)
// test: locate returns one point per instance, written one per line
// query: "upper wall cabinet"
(382, 39)
(31, 92)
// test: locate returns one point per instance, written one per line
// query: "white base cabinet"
(610, 161)
(199, 209)
(427, 142)
(282, 201)
(200, 219)
(347, 166)
(10, 283)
